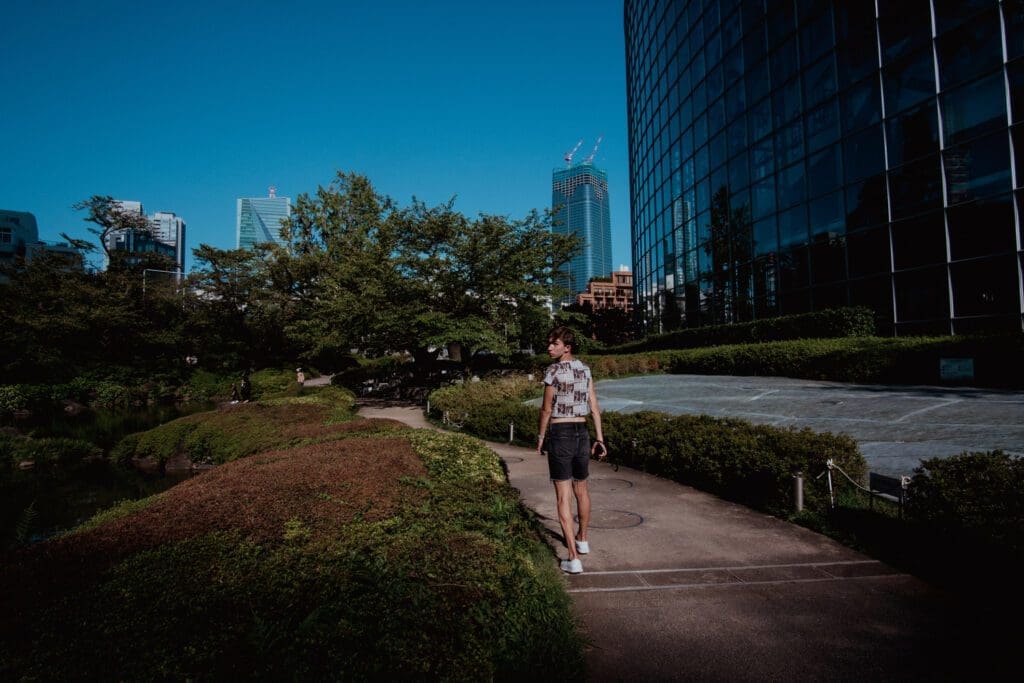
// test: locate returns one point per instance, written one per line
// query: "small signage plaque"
(956, 368)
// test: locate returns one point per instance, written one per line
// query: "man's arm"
(545, 414)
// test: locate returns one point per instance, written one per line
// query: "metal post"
(831, 492)
(428, 407)
(511, 432)
(798, 491)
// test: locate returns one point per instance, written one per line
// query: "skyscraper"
(169, 228)
(579, 197)
(259, 219)
(795, 155)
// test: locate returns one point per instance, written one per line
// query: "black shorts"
(569, 451)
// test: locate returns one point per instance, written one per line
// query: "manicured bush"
(836, 322)
(972, 500)
(42, 451)
(752, 464)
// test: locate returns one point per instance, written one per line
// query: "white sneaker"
(582, 547)
(572, 566)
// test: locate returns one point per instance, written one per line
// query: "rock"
(178, 462)
(73, 407)
(148, 464)
(26, 464)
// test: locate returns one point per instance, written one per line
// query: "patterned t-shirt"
(571, 380)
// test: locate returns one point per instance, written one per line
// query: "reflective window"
(766, 236)
(786, 102)
(789, 143)
(978, 168)
(824, 171)
(828, 261)
(794, 274)
(757, 82)
(739, 175)
(873, 292)
(970, 50)
(762, 159)
(816, 37)
(913, 134)
(868, 251)
(920, 241)
(762, 197)
(985, 287)
(861, 105)
(819, 81)
(863, 154)
(760, 120)
(737, 137)
(974, 109)
(951, 13)
(793, 227)
(791, 185)
(981, 228)
(781, 20)
(857, 55)
(1014, 13)
(732, 65)
(713, 49)
(1015, 73)
(754, 46)
(828, 214)
(866, 202)
(732, 30)
(922, 294)
(735, 102)
(916, 187)
(904, 26)
(715, 83)
(909, 81)
(784, 62)
(718, 149)
(823, 125)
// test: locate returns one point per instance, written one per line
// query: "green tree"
(382, 278)
(107, 213)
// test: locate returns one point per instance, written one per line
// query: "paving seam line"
(743, 566)
(720, 584)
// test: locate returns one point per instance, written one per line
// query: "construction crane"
(569, 155)
(590, 157)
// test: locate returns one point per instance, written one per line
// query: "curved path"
(681, 585)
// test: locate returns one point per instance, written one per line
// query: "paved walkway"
(681, 585)
(895, 426)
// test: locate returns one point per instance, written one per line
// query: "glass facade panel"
(981, 228)
(918, 241)
(985, 287)
(909, 81)
(974, 109)
(854, 172)
(861, 105)
(977, 169)
(912, 134)
(971, 50)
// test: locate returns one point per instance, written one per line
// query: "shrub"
(47, 450)
(836, 322)
(972, 499)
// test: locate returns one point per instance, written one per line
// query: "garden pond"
(48, 499)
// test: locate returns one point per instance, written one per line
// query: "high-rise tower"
(579, 198)
(790, 156)
(169, 228)
(259, 219)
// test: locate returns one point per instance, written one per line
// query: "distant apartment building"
(579, 199)
(19, 238)
(139, 242)
(613, 292)
(259, 219)
(169, 228)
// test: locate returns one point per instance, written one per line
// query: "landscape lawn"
(379, 552)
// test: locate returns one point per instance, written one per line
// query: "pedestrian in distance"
(300, 377)
(569, 398)
(235, 396)
(245, 388)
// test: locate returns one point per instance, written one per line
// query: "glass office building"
(795, 155)
(258, 220)
(579, 198)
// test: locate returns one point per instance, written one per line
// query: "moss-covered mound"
(377, 556)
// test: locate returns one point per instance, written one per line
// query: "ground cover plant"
(235, 430)
(383, 555)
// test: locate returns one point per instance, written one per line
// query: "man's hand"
(599, 449)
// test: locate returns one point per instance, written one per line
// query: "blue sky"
(187, 106)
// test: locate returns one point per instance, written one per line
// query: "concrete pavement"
(681, 585)
(895, 426)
